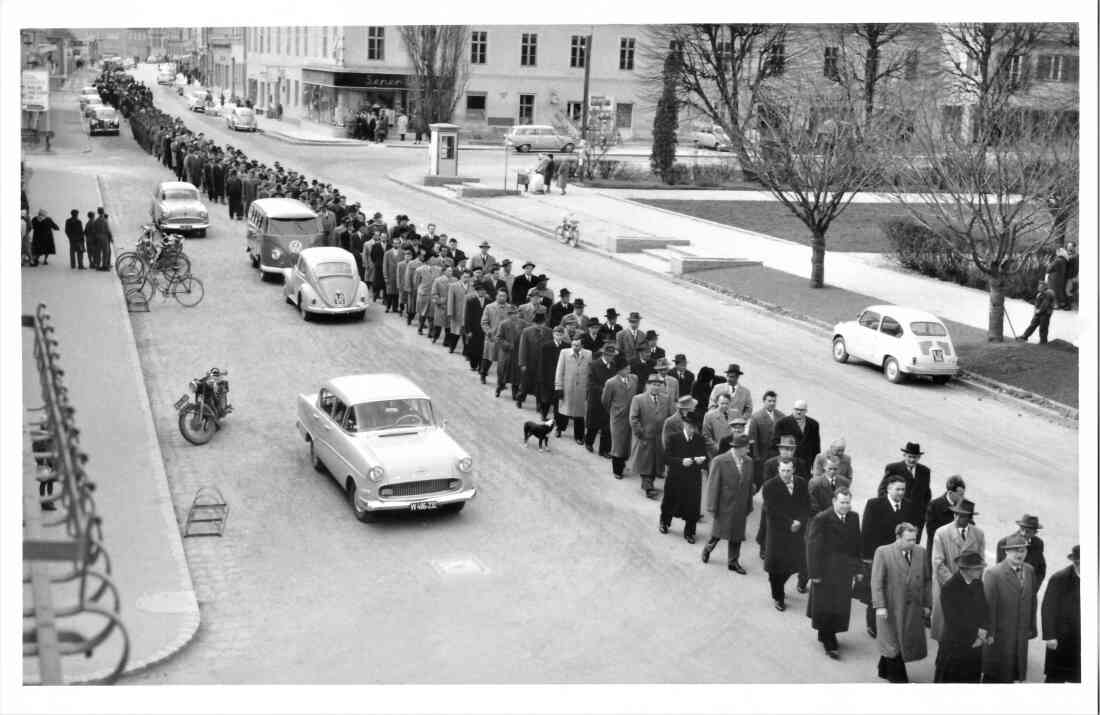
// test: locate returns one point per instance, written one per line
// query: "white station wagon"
(325, 279)
(380, 439)
(902, 341)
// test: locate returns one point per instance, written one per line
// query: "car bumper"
(931, 369)
(375, 504)
(183, 226)
(322, 309)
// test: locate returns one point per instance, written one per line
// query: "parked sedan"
(325, 280)
(713, 137)
(103, 120)
(240, 119)
(90, 104)
(86, 95)
(902, 341)
(539, 137)
(177, 207)
(379, 437)
(197, 101)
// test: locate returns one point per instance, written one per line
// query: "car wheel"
(941, 379)
(361, 315)
(318, 465)
(567, 148)
(892, 370)
(302, 309)
(455, 508)
(361, 514)
(523, 148)
(840, 350)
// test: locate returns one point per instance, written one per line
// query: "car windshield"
(293, 226)
(181, 195)
(926, 328)
(333, 268)
(243, 112)
(106, 113)
(389, 414)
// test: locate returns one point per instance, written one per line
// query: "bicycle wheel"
(188, 290)
(576, 237)
(130, 267)
(176, 265)
(559, 232)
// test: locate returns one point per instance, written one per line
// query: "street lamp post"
(587, 73)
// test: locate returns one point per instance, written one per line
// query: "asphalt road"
(556, 572)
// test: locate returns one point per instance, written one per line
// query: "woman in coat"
(571, 380)
(686, 457)
(832, 561)
(42, 245)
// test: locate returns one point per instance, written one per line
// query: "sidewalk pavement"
(104, 378)
(604, 214)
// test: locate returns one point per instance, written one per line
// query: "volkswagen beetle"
(325, 280)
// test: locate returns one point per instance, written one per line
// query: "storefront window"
(320, 103)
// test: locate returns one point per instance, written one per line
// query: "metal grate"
(414, 489)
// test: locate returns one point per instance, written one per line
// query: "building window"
(912, 64)
(475, 105)
(777, 59)
(297, 42)
(324, 41)
(479, 44)
(376, 42)
(951, 122)
(831, 69)
(624, 115)
(1017, 69)
(297, 94)
(528, 49)
(626, 53)
(526, 109)
(574, 111)
(1057, 68)
(577, 50)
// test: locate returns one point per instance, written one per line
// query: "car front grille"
(415, 489)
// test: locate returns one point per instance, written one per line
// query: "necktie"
(1020, 575)
(897, 506)
(962, 533)
(655, 399)
(908, 557)
(832, 484)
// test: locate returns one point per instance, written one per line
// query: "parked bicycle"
(186, 289)
(569, 231)
(167, 257)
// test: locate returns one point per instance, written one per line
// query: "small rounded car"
(177, 207)
(710, 137)
(240, 119)
(379, 437)
(197, 101)
(90, 102)
(103, 120)
(325, 280)
(901, 341)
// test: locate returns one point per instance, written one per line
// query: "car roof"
(103, 109)
(284, 208)
(903, 313)
(356, 389)
(164, 185)
(319, 254)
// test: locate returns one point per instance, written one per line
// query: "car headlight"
(202, 214)
(276, 253)
(376, 473)
(465, 464)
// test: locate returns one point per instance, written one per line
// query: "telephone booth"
(443, 150)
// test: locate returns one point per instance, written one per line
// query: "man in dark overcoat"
(1062, 622)
(389, 272)
(832, 561)
(729, 486)
(596, 419)
(787, 509)
(618, 392)
(610, 328)
(806, 431)
(1009, 593)
(91, 241)
(546, 393)
(74, 230)
(786, 447)
(966, 622)
(823, 487)
(523, 284)
(529, 359)
(1028, 529)
(686, 457)
(918, 479)
(881, 515)
(217, 175)
(473, 345)
(648, 413)
(234, 193)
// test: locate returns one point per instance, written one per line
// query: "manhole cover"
(168, 602)
(459, 566)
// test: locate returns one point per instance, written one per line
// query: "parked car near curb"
(325, 281)
(710, 137)
(240, 119)
(103, 120)
(177, 207)
(379, 437)
(901, 341)
(539, 137)
(197, 101)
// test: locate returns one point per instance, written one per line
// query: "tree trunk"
(817, 261)
(996, 330)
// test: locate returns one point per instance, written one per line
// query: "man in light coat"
(716, 425)
(729, 487)
(950, 541)
(618, 392)
(439, 290)
(422, 285)
(902, 598)
(740, 397)
(630, 340)
(389, 274)
(571, 383)
(494, 314)
(1009, 596)
(409, 287)
(761, 430)
(648, 413)
(483, 260)
(457, 293)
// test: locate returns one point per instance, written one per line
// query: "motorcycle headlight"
(276, 253)
(376, 473)
(465, 464)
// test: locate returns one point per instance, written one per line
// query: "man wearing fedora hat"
(630, 341)
(740, 397)
(648, 412)
(534, 302)
(506, 340)
(918, 480)
(617, 396)
(571, 383)
(681, 407)
(939, 511)
(483, 259)
(523, 283)
(655, 350)
(561, 308)
(686, 458)
(1010, 595)
(950, 541)
(590, 338)
(576, 321)
(596, 420)
(610, 328)
(1029, 526)
(685, 377)
(529, 359)
(661, 366)
(965, 622)
(1062, 622)
(729, 485)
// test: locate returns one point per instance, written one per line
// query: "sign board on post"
(36, 90)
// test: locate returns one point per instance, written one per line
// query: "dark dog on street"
(540, 430)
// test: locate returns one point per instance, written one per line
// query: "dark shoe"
(706, 555)
(618, 476)
(497, 391)
(689, 539)
(578, 441)
(519, 404)
(736, 567)
(833, 654)
(652, 494)
(780, 606)
(483, 381)
(762, 555)
(701, 519)
(663, 528)
(1021, 339)
(49, 506)
(872, 632)
(589, 447)
(605, 455)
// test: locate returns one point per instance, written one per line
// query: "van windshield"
(293, 226)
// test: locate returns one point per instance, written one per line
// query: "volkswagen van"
(277, 230)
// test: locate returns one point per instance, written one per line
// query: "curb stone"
(1030, 400)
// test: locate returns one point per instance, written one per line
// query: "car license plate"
(338, 299)
(424, 506)
(937, 355)
(182, 401)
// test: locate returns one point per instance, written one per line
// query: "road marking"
(459, 566)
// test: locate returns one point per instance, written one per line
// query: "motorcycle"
(201, 412)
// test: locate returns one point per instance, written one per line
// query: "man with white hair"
(837, 450)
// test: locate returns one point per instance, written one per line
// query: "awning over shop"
(346, 79)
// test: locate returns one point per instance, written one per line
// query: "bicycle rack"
(207, 514)
(136, 302)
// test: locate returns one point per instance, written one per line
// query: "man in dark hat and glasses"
(1062, 622)
(966, 622)
(918, 480)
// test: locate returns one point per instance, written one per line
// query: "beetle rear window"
(925, 328)
(334, 268)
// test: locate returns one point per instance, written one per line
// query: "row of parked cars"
(237, 118)
(98, 118)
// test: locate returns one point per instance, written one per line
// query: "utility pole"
(587, 74)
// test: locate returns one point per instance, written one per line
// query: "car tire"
(314, 460)
(891, 369)
(568, 148)
(840, 349)
(941, 379)
(302, 310)
(523, 148)
(455, 508)
(362, 515)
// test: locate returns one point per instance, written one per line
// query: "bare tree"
(438, 54)
(869, 55)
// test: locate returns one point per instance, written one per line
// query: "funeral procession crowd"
(703, 435)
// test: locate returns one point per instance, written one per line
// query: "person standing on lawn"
(1044, 307)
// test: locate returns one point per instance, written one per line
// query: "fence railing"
(73, 606)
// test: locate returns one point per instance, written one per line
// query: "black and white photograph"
(558, 358)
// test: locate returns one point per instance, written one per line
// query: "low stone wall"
(637, 244)
(445, 180)
(680, 265)
(473, 191)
